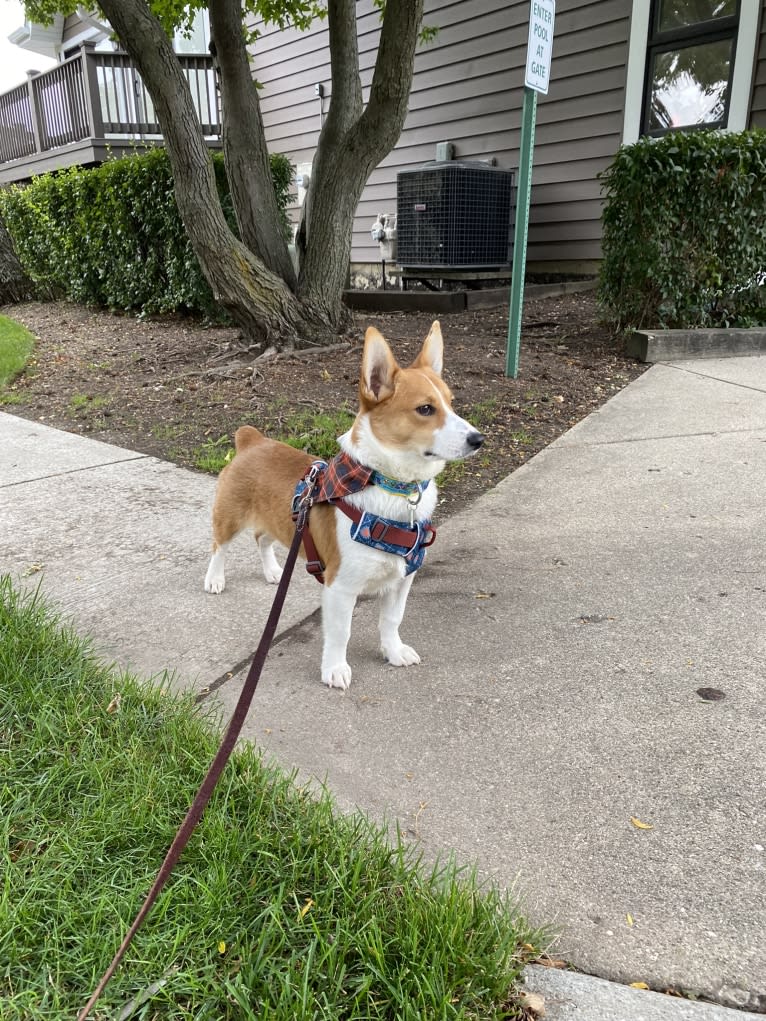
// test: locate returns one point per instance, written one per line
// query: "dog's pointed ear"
(378, 368)
(432, 353)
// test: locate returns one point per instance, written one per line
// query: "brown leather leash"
(228, 742)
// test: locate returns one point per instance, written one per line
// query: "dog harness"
(331, 481)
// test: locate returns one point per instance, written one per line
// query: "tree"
(253, 279)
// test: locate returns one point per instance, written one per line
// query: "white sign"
(540, 44)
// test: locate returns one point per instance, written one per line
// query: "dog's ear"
(432, 353)
(378, 368)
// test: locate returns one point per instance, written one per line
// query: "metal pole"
(526, 151)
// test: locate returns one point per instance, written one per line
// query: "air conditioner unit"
(456, 214)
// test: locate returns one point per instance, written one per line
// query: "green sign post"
(539, 49)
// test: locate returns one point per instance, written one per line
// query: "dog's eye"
(425, 410)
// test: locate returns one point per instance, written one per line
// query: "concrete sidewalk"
(567, 622)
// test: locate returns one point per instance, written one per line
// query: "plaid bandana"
(341, 477)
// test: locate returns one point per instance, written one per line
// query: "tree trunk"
(353, 142)
(244, 144)
(258, 300)
(15, 285)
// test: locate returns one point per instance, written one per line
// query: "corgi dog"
(382, 478)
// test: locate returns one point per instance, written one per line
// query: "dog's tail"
(246, 436)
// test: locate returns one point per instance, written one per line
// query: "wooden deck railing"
(95, 96)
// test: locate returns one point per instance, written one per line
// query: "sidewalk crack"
(74, 471)
(717, 379)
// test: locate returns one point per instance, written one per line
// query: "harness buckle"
(316, 569)
(379, 530)
(303, 497)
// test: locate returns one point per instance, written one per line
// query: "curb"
(454, 301)
(571, 996)
(673, 345)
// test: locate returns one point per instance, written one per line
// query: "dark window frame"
(711, 31)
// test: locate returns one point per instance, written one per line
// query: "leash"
(228, 741)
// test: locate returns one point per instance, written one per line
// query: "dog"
(403, 436)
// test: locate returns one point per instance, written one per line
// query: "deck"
(92, 107)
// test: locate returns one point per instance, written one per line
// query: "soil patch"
(170, 386)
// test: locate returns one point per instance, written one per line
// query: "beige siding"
(468, 90)
(758, 108)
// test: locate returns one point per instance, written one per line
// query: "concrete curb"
(454, 301)
(569, 995)
(673, 345)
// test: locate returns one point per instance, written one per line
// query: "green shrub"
(112, 236)
(684, 238)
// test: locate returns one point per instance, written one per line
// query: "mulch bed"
(166, 386)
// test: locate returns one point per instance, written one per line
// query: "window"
(690, 64)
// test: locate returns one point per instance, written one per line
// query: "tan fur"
(406, 429)
(256, 490)
(395, 393)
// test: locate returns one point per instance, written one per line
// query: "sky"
(14, 61)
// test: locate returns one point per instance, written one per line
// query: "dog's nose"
(474, 440)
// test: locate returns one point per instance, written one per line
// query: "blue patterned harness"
(330, 482)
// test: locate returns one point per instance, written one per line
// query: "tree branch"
(383, 119)
(244, 143)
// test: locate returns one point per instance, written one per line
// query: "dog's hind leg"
(272, 572)
(224, 530)
(215, 579)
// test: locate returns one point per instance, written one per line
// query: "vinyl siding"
(758, 107)
(468, 89)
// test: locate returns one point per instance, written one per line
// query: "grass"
(213, 455)
(280, 908)
(316, 432)
(16, 345)
(85, 402)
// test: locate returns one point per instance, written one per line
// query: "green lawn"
(16, 345)
(280, 908)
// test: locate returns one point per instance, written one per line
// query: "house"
(621, 68)
(91, 105)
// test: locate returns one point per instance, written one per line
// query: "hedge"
(684, 238)
(112, 236)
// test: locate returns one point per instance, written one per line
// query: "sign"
(539, 50)
(540, 44)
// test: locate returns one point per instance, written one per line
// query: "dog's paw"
(338, 676)
(401, 655)
(272, 575)
(214, 583)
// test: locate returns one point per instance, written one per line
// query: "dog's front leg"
(392, 604)
(337, 609)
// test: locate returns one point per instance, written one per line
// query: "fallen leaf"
(551, 962)
(222, 947)
(641, 825)
(629, 919)
(638, 985)
(306, 908)
(484, 595)
(534, 1003)
(114, 705)
(33, 569)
